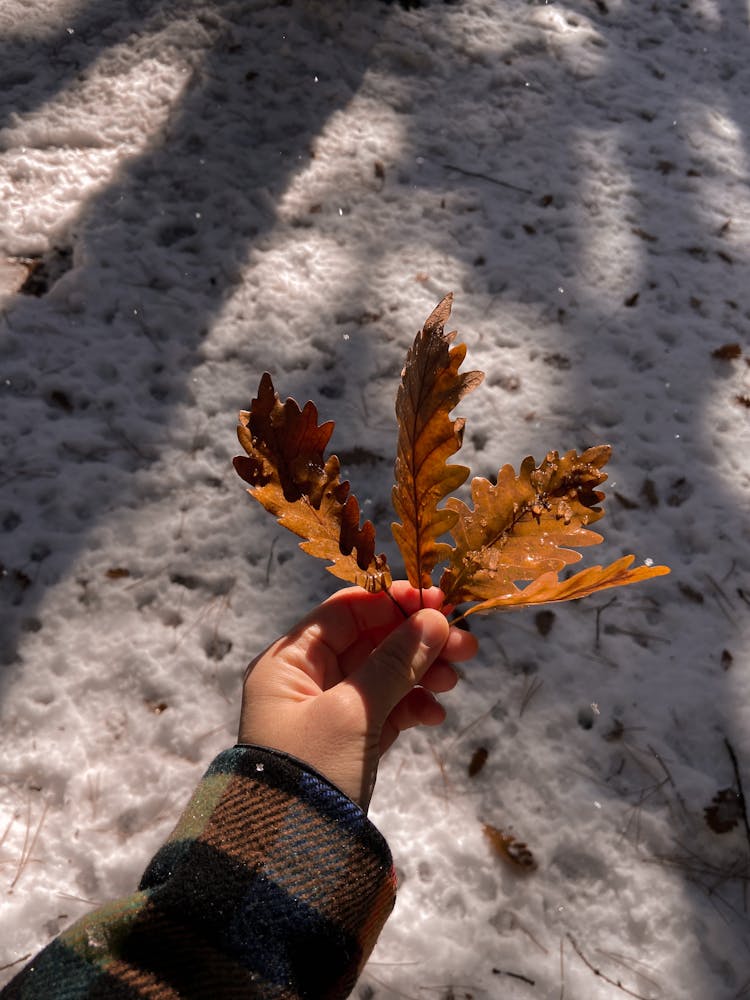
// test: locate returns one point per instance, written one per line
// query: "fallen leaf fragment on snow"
(510, 849)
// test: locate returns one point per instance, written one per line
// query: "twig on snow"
(562, 971)
(486, 177)
(740, 792)
(514, 975)
(16, 961)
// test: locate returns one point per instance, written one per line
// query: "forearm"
(273, 884)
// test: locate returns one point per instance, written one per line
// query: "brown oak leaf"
(524, 525)
(524, 529)
(725, 810)
(548, 588)
(290, 476)
(430, 388)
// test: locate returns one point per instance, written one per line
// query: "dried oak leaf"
(430, 388)
(725, 811)
(289, 475)
(548, 588)
(523, 526)
(507, 847)
(478, 760)
(727, 352)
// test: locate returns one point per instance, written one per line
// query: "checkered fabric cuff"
(273, 885)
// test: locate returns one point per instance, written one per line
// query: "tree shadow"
(592, 93)
(122, 365)
(205, 192)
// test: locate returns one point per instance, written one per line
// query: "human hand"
(337, 690)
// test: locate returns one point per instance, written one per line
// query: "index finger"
(343, 617)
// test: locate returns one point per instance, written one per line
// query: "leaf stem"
(390, 595)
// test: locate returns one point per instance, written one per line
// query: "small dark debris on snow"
(331, 391)
(217, 647)
(60, 400)
(616, 732)
(117, 573)
(691, 593)
(13, 585)
(184, 580)
(624, 501)
(742, 400)
(680, 491)
(649, 494)
(359, 456)
(478, 760)
(559, 361)
(586, 717)
(727, 352)
(504, 972)
(510, 382)
(45, 269)
(725, 810)
(10, 522)
(632, 300)
(544, 620)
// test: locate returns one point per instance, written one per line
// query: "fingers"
(351, 611)
(461, 645)
(418, 708)
(339, 635)
(399, 662)
(440, 677)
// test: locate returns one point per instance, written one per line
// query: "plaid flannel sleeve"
(273, 885)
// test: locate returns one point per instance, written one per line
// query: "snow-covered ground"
(220, 188)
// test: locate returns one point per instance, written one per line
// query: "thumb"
(400, 662)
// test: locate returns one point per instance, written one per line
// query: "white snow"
(225, 188)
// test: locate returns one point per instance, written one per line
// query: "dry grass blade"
(430, 388)
(598, 972)
(290, 476)
(29, 843)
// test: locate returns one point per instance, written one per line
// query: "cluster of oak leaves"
(522, 529)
